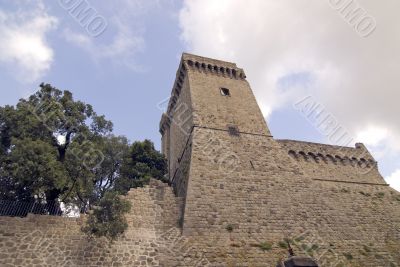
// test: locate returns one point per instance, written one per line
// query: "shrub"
(108, 218)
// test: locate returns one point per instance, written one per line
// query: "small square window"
(225, 92)
(233, 130)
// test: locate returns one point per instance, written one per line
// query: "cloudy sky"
(342, 54)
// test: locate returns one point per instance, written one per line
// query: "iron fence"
(21, 209)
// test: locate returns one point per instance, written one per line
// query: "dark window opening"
(233, 130)
(225, 92)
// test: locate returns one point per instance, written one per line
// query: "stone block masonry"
(237, 195)
(39, 240)
(246, 193)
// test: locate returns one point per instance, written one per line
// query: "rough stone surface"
(39, 240)
(237, 196)
(245, 195)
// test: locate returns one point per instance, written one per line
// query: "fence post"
(33, 205)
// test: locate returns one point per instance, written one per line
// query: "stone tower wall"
(176, 127)
(247, 192)
(210, 108)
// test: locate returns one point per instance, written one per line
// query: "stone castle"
(236, 196)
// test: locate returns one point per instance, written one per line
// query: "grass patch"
(309, 249)
(298, 239)
(229, 228)
(348, 256)
(283, 244)
(265, 246)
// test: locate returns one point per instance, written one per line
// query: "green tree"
(115, 149)
(142, 162)
(49, 127)
(34, 168)
(54, 148)
(124, 167)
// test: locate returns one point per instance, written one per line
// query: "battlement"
(176, 90)
(324, 162)
(207, 60)
(213, 66)
(315, 152)
(199, 64)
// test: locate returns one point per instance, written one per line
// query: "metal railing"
(21, 209)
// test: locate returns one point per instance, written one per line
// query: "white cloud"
(121, 50)
(124, 37)
(23, 46)
(394, 180)
(79, 39)
(355, 78)
(372, 135)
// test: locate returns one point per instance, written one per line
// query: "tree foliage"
(142, 162)
(107, 219)
(56, 148)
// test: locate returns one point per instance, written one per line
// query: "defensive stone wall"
(40, 240)
(246, 193)
(266, 197)
(338, 163)
(238, 194)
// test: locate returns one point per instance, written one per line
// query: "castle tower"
(242, 188)
(208, 96)
(212, 134)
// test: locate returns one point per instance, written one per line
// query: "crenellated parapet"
(333, 159)
(199, 64)
(164, 123)
(329, 154)
(176, 90)
(213, 67)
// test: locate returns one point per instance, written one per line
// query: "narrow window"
(225, 92)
